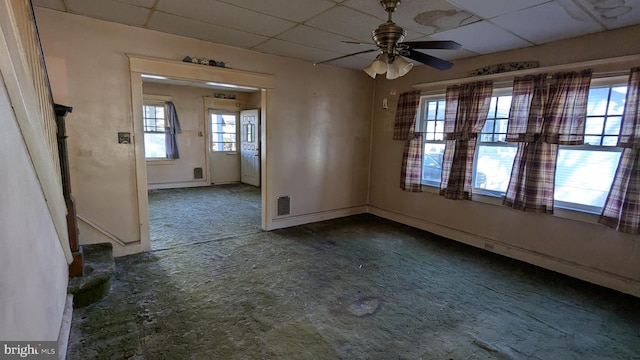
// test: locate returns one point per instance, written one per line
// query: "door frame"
(139, 65)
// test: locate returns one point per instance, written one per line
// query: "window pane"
(488, 126)
(594, 126)
(154, 145)
(432, 163)
(431, 126)
(592, 140)
(610, 141)
(431, 110)
(493, 167)
(597, 101)
(492, 107)
(441, 109)
(223, 132)
(613, 125)
(501, 126)
(616, 102)
(504, 105)
(585, 176)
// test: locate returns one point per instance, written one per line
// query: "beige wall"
(579, 248)
(192, 142)
(33, 268)
(318, 123)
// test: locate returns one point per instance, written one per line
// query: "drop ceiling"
(312, 30)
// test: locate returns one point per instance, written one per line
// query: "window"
(584, 173)
(494, 156)
(432, 114)
(153, 117)
(223, 131)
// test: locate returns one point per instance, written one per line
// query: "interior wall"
(580, 248)
(192, 142)
(318, 122)
(33, 285)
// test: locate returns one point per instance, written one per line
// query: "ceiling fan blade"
(428, 60)
(445, 44)
(356, 42)
(344, 56)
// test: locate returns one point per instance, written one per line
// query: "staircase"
(98, 269)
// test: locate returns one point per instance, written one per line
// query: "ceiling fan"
(388, 38)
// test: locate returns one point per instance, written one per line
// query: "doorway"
(189, 74)
(224, 158)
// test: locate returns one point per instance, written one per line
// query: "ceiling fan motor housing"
(387, 35)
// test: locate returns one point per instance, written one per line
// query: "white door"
(224, 161)
(250, 147)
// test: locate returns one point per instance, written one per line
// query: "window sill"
(160, 161)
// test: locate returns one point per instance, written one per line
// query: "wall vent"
(284, 205)
(197, 173)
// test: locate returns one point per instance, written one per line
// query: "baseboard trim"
(175, 185)
(585, 273)
(284, 222)
(65, 328)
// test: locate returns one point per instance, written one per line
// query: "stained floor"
(217, 287)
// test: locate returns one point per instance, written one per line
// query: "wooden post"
(76, 267)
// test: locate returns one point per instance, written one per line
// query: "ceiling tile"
(346, 21)
(284, 48)
(491, 8)
(474, 38)
(143, 3)
(613, 14)
(196, 29)
(225, 15)
(298, 11)
(560, 22)
(109, 10)
(307, 35)
(419, 16)
(353, 62)
(372, 8)
(51, 4)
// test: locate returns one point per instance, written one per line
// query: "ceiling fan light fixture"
(379, 65)
(392, 72)
(370, 71)
(401, 65)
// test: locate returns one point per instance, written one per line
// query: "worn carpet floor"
(217, 287)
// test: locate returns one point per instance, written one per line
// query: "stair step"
(99, 267)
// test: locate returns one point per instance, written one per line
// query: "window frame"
(217, 112)
(154, 103)
(492, 196)
(497, 92)
(609, 82)
(421, 126)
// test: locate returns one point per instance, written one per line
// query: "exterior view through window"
(223, 131)
(153, 117)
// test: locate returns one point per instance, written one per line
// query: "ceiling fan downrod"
(387, 35)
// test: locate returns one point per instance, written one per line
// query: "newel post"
(76, 267)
